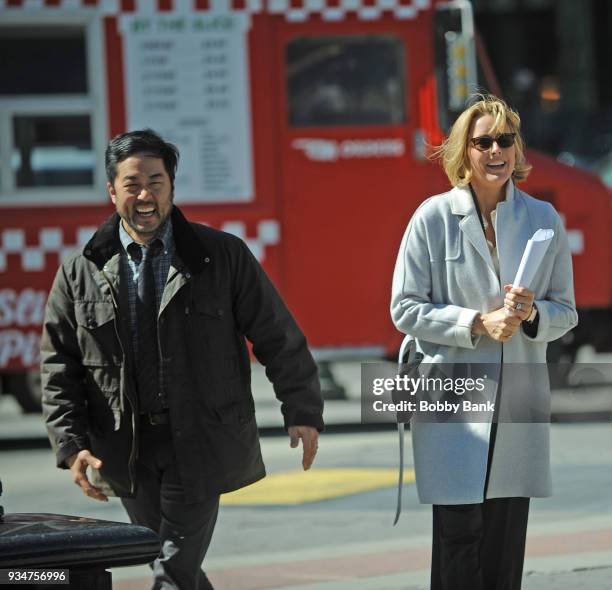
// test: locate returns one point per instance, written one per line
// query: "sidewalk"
(596, 579)
(557, 561)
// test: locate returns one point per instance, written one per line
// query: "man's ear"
(111, 192)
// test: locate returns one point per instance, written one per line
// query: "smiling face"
(142, 194)
(492, 168)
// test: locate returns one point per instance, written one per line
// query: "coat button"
(207, 259)
(187, 275)
(88, 252)
(91, 323)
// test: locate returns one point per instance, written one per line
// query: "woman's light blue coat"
(443, 277)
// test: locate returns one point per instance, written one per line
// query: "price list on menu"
(187, 78)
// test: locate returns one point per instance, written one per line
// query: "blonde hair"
(454, 150)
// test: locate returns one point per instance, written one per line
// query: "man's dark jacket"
(216, 295)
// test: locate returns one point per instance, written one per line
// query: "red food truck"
(304, 127)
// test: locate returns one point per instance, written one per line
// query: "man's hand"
(497, 325)
(310, 442)
(78, 466)
(515, 295)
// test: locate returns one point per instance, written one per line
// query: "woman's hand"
(516, 295)
(497, 325)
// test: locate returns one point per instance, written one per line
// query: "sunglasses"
(484, 142)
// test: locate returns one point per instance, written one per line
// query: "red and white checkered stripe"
(51, 240)
(32, 257)
(293, 10)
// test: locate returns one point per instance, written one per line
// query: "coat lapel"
(178, 277)
(107, 278)
(463, 205)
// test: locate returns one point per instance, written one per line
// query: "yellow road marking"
(300, 487)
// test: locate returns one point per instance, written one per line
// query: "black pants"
(185, 530)
(479, 546)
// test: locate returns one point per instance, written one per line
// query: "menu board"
(186, 77)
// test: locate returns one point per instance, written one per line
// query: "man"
(145, 370)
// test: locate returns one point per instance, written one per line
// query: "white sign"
(186, 77)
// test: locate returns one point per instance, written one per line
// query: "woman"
(452, 292)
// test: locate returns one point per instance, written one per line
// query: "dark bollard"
(87, 547)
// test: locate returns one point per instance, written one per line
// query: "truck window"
(346, 80)
(47, 112)
(42, 60)
(52, 151)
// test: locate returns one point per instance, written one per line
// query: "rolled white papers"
(534, 253)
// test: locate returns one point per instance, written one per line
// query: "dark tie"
(147, 361)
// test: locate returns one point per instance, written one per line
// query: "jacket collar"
(105, 243)
(461, 202)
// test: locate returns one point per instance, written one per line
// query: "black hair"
(145, 141)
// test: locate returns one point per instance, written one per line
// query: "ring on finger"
(518, 306)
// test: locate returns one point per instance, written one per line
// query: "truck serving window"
(346, 80)
(48, 113)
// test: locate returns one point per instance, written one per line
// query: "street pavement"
(331, 528)
(342, 538)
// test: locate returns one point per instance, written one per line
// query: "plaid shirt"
(130, 267)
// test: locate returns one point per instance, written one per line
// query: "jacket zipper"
(133, 449)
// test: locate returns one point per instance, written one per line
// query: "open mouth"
(146, 212)
(496, 165)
